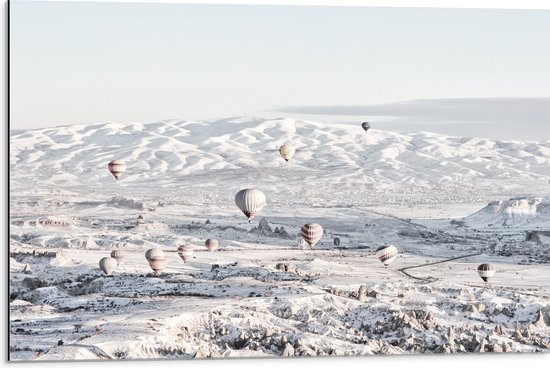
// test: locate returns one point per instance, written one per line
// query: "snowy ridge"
(335, 156)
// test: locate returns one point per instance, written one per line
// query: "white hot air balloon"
(185, 252)
(287, 151)
(386, 254)
(311, 233)
(250, 202)
(211, 244)
(107, 265)
(154, 253)
(117, 168)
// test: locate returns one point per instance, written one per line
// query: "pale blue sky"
(94, 62)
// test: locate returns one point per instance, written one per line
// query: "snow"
(260, 294)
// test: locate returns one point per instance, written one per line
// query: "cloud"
(495, 109)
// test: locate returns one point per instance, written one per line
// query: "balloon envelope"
(250, 202)
(118, 255)
(312, 233)
(386, 254)
(154, 253)
(185, 252)
(157, 264)
(117, 168)
(107, 265)
(287, 151)
(211, 244)
(366, 126)
(486, 271)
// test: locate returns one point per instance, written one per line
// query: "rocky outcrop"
(264, 229)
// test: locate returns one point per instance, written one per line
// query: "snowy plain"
(260, 294)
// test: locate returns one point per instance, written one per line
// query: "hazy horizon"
(451, 71)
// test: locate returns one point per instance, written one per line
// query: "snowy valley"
(465, 201)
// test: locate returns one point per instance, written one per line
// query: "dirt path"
(430, 279)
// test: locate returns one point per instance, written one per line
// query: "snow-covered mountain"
(353, 165)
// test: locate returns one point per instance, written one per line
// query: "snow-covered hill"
(228, 154)
(514, 212)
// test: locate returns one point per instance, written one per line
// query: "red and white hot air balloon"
(211, 244)
(386, 254)
(156, 259)
(117, 168)
(311, 233)
(158, 264)
(185, 252)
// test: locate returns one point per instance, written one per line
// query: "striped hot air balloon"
(311, 233)
(287, 151)
(386, 254)
(107, 265)
(118, 255)
(211, 244)
(157, 264)
(250, 201)
(117, 168)
(185, 252)
(486, 271)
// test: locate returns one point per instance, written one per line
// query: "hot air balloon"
(117, 168)
(211, 244)
(386, 254)
(486, 271)
(157, 264)
(185, 252)
(287, 151)
(118, 255)
(311, 233)
(250, 201)
(154, 253)
(366, 126)
(107, 265)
